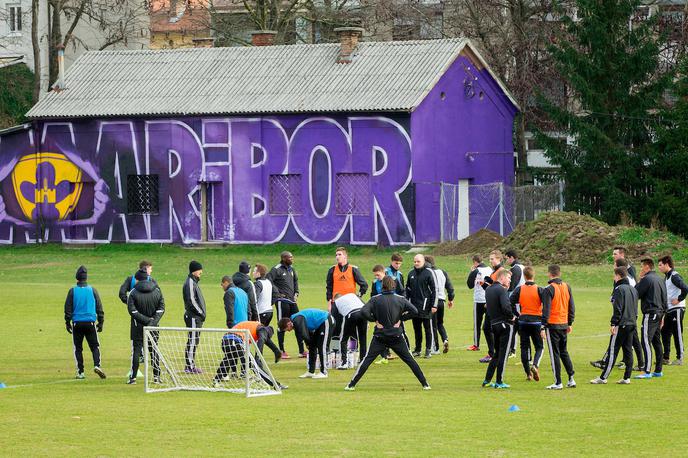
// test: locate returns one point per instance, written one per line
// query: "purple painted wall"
(314, 179)
(462, 130)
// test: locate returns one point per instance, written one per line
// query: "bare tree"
(117, 21)
(514, 35)
(36, 47)
(231, 19)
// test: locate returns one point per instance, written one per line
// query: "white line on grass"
(42, 383)
(595, 336)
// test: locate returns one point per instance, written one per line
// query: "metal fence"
(495, 206)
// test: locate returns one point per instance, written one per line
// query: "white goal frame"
(251, 382)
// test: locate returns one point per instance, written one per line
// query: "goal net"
(205, 359)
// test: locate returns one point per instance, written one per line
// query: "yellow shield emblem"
(49, 182)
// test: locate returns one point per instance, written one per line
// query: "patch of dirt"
(481, 242)
(570, 238)
(562, 238)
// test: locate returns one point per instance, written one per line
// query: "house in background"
(15, 31)
(344, 142)
(180, 24)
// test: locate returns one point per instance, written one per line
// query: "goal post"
(205, 359)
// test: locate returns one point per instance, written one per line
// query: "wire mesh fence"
(495, 206)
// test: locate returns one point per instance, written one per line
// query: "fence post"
(561, 196)
(501, 209)
(441, 211)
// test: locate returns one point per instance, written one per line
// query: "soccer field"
(45, 411)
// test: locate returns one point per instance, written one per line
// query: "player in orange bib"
(233, 348)
(558, 312)
(342, 278)
(529, 296)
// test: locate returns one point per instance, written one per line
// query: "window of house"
(285, 194)
(14, 18)
(352, 194)
(143, 194)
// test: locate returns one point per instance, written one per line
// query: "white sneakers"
(312, 375)
(598, 381)
(555, 386)
(571, 383)
(624, 381)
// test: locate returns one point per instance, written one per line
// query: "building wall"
(89, 33)
(67, 180)
(461, 131)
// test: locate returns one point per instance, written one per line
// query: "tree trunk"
(54, 41)
(36, 50)
(521, 150)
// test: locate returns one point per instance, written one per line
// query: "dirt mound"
(562, 238)
(481, 242)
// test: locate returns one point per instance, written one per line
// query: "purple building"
(303, 143)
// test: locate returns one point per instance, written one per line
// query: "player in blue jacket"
(313, 326)
(84, 317)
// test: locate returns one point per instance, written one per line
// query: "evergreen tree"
(611, 66)
(668, 202)
(16, 96)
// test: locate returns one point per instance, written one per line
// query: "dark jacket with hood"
(243, 281)
(146, 307)
(625, 302)
(128, 285)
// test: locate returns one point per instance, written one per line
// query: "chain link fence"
(495, 206)
(449, 212)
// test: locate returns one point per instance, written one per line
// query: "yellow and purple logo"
(48, 184)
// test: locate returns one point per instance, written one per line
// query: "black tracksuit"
(438, 317)
(421, 292)
(557, 340)
(516, 275)
(637, 347)
(146, 307)
(84, 329)
(501, 316)
(487, 328)
(653, 303)
(243, 281)
(194, 316)
(353, 325)
(285, 285)
(318, 341)
(478, 314)
(624, 318)
(358, 278)
(673, 319)
(387, 310)
(529, 327)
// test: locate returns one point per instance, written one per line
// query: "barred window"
(142, 194)
(285, 194)
(352, 192)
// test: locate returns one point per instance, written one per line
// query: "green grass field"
(44, 411)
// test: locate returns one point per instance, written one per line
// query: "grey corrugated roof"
(384, 76)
